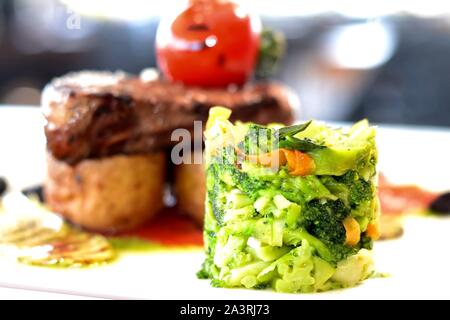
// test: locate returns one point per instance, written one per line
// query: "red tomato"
(211, 43)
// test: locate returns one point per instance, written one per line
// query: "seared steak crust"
(98, 114)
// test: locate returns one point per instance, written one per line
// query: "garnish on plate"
(271, 52)
(33, 235)
(305, 224)
(398, 201)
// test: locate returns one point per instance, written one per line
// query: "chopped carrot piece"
(299, 163)
(291, 159)
(373, 231)
(352, 231)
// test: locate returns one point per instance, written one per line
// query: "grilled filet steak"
(98, 114)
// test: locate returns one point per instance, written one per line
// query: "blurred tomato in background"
(209, 43)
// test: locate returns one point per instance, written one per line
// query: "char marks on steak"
(97, 114)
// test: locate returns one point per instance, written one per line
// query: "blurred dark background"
(358, 59)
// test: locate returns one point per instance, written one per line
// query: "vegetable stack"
(292, 208)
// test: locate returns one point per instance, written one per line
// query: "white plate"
(418, 263)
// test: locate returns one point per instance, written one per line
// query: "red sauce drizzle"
(170, 228)
(398, 199)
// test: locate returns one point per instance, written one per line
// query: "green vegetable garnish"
(264, 139)
(272, 50)
(285, 132)
(272, 227)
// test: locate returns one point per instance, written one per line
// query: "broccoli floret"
(261, 286)
(240, 179)
(359, 189)
(203, 273)
(221, 178)
(208, 269)
(341, 251)
(324, 220)
(259, 139)
(366, 242)
(216, 202)
(216, 193)
(216, 283)
(247, 184)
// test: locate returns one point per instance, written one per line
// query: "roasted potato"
(391, 226)
(190, 189)
(109, 194)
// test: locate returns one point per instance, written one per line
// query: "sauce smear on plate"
(170, 229)
(398, 199)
